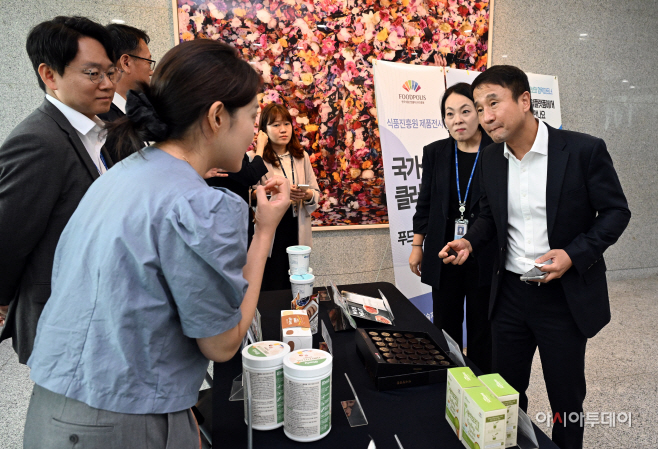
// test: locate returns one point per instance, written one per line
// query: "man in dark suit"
(48, 162)
(549, 196)
(134, 59)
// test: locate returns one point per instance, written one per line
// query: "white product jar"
(307, 394)
(298, 258)
(264, 362)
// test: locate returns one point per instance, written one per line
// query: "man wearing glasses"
(48, 162)
(134, 59)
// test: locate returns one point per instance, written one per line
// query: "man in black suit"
(550, 196)
(134, 59)
(48, 162)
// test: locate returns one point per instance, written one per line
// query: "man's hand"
(561, 263)
(462, 247)
(3, 314)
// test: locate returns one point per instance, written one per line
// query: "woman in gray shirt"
(152, 276)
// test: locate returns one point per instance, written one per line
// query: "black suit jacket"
(44, 172)
(432, 210)
(586, 213)
(110, 143)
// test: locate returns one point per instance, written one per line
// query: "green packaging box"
(484, 425)
(458, 380)
(510, 398)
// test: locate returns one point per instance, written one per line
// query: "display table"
(415, 414)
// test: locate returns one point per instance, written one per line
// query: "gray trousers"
(57, 422)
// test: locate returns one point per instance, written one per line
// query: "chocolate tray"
(397, 359)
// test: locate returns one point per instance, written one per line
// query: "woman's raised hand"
(269, 212)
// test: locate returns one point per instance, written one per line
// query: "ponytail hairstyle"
(270, 114)
(187, 81)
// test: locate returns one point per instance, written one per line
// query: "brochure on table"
(364, 307)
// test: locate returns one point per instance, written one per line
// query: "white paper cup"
(302, 284)
(298, 258)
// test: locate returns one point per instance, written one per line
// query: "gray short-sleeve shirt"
(150, 261)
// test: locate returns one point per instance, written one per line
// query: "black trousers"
(456, 283)
(530, 316)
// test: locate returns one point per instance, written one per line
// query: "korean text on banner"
(408, 111)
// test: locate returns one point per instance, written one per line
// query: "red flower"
(398, 21)
(364, 48)
(427, 47)
(463, 11)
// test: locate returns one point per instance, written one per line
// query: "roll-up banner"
(545, 97)
(408, 111)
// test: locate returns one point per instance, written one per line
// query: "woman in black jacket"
(447, 205)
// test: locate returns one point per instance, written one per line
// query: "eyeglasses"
(97, 76)
(151, 62)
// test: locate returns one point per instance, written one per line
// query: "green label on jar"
(279, 395)
(325, 404)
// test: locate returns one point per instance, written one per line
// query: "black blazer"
(586, 213)
(431, 217)
(110, 144)
(44, 172)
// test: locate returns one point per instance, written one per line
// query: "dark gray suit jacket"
(586, 212)
(45, 171)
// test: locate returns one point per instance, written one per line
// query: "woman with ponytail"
(152, 276)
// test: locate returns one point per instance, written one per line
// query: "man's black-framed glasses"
(151, 61)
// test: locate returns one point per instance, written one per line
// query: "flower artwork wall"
(316, 58)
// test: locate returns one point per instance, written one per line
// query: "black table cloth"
(415, 414)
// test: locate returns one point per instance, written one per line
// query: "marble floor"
(619, 369)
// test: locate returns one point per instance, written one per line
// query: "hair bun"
(141, 112)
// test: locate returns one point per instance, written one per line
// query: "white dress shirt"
(119, 102)
(88, 130)
(527, 231)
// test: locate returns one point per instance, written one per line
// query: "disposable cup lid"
(302, 278)
(299, 249)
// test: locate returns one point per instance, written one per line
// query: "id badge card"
(461, 226)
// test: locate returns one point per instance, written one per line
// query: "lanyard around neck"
(292, 166)
(103, 162)
(462, 204)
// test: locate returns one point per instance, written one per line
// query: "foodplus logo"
(411, 86)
